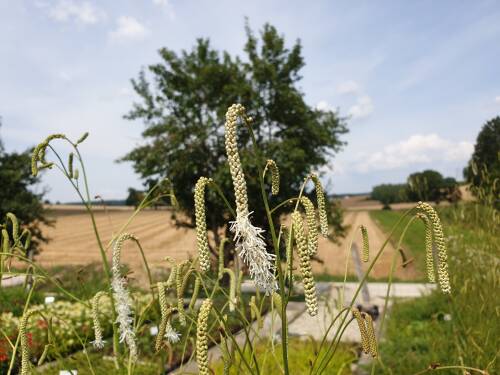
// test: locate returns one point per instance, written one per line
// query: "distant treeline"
(428, 185)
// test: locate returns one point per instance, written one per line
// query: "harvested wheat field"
(73, 242)
(72, 239)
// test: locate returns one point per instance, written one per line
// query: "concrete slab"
(316, 327)
(9, 280)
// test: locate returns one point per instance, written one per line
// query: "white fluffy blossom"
(123, 303)
(171, 334)
(252, 249)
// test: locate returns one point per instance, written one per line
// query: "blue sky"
(417, 79)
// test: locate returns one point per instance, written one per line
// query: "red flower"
(3, 351)
(41, 323)
(30, 339)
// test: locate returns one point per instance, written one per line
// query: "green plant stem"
(389, 284)
(235, 343)
(337, 340)
(288, 201)
(50, 278)
(346, 270)
(452, 368)
(223, 196)
(391, 275)
(284, 329)
(326, 335)
(146, 265)
(363, 280)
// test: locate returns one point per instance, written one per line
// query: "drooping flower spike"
(442, 255)
(123, 304)
(202, 337)
(366, 243)
(25, 347)
(165, 329)
(321, 201)
(201, 223)
(429, 256)
(15, 226)
(367, 332)
(275, 176)
(232, 288)
(179, 288)
(305, 265)
(38, 155)
(249, 239)
(312, 229)
(98, 338)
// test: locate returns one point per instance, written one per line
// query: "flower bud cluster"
(442, 268)
(202, 337)
(305, 265)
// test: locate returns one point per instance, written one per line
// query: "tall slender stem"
(281, 282)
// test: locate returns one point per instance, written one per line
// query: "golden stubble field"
(72, 241)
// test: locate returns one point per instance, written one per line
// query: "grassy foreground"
(461, 329)
(301, 355)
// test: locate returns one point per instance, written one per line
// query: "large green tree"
(17, 196)
(183, 100)
(388, 194)
(483, 170)
(430, 185)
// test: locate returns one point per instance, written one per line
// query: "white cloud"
(363, 107)
(128, 28)
(71, 10)
(167, 6)
(416, 149)
(323, 105)
(348, 87)
(497, 99)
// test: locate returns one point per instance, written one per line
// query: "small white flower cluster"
(171, 334)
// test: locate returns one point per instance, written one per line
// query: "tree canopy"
(16, 193)
(134, 197)
(390, 193)
(424, 186)
(183, 100)
(483, 170)
(428, 185)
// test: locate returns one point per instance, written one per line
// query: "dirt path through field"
(334, 255)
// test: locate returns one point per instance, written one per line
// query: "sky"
(415, 80)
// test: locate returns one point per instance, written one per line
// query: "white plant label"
(49, 300)
(153, 330)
